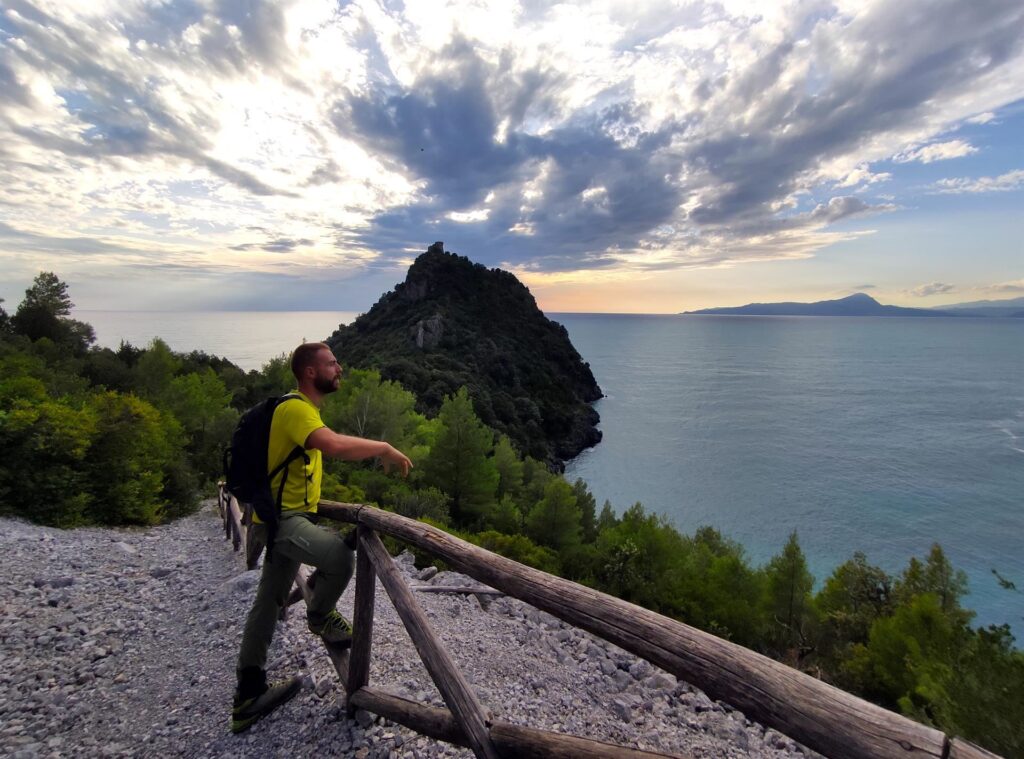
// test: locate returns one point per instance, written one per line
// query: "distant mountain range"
(1010, 307)
(861, 304)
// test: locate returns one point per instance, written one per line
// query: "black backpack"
(245, 464)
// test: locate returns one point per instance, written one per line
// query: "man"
(297, 422)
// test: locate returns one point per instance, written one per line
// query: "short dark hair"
(305, 355)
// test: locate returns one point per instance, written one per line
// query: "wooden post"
(235, 516)
(254, 543)
(362, 624)
(455, 691)
(820, 716)
(339, 657)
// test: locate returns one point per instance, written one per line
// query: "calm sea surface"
(882, 435)
(248, 338)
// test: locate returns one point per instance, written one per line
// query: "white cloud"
(936, 151)
(1011, 180)
(932, 288)
(1015, 286)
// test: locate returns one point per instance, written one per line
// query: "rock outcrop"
(453, 323)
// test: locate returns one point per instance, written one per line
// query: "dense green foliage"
(95, 436)
(130, 436)
(455, 324)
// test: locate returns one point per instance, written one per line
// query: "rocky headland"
(452, 323)
(120, 642)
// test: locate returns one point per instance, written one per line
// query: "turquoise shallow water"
(880, 435)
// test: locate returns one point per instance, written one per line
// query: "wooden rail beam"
(820, 716)
(961, 749)
(462, 589)
(455, 691)
(511, 741)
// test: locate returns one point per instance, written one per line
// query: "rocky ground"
(123, 642)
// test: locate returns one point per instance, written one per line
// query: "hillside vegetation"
(95, 436)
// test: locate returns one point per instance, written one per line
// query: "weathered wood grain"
(254, 545)
(362, 623)
(455, 690)
(961, 749)
(339, 657)
(812, 712)
(235, 515)
(463, 589)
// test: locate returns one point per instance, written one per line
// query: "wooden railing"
(818, 715)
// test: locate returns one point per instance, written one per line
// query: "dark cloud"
(443, 129)
(906, 56)
(31, 241)
(446, 130)
(279, 245)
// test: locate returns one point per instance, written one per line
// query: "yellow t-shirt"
(292, 424)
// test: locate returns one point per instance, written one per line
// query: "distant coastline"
(861, 304)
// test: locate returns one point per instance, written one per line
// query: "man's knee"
(339, 560)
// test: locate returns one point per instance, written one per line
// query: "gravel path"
(123, 643)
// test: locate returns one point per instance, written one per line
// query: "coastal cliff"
(452, 323)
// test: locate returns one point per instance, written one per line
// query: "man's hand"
(392, 457)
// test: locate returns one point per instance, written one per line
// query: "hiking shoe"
(335, 629)
(245, 713)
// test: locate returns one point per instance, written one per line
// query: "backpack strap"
(295, 453)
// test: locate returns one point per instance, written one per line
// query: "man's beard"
(324, 385)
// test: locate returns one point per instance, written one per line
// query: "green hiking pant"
(299, 541)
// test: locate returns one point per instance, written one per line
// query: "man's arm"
(351, 448)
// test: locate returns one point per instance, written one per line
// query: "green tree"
(43, 477)
(587, 505)
(509, 466)
(428, 503)
(719, 591)
(44, 313)
(639, 560)
(906, 663)
(607, 519)
(505, 516)
(788, 601)
(201, 404)
(154, 371)
(366, 406)
(126, 464)
(935, 575)
(459, 462)
(854, 596)
(555, 519)
(536, 477)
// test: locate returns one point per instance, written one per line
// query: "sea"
(879, 435)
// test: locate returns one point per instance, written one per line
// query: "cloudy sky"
(617, 156)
